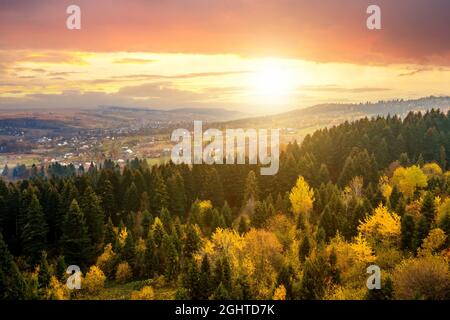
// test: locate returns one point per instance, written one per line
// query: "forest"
(373, 191)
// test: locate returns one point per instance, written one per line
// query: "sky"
(255, 56)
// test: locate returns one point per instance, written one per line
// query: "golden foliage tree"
(426, 277)
(94, 280)
(106, 260)
(123, 272)
(280, 293)
(146, 293)
(301, 197)
(409, 179)
(382, 227)
(57, 290)
(433, 242)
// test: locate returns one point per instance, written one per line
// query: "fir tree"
(34, 236)
(92, 211)
(407, 232)
(12, 283)
(75, 241)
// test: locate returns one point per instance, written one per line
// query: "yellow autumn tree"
(301, 197)
(280, 293)
(106, 260)
(146, 293)
(263, 250)
(407, 180)
(123, 272)
(443, 210)
(433, 242)
(432, 170)
(382, 227)
(57, 290)
(94, 280)
(385, 187)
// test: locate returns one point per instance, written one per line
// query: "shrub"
(57, 290)
(106, 260)
(422, 278)
(146, 293)
(123, 272)
(94, 280)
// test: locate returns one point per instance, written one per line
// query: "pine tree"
(75, 241)
(251, 192)
(243, 227)
(192, 281)
(92, 211)
(147, 220)
(407, 232)
(227, 214)
(128, 252)
(158, 232)
(314, 280)
(285, 278)
(108, 200)
(304, 249)
(34, 236)
(160, 197)
(44, 271)
(443, 158)
(151, 256)
(170, 258)
(110, 234)
(132, 201)
(12, 284)
(205, 279)
(192, 242)
(428, 211)
(177, 195)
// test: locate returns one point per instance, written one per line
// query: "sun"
(272, 81)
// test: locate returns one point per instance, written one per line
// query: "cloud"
(420, 70)
(335, 88)
(162, 95)
(413, 31)
(134, 61)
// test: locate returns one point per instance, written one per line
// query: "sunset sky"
(256, 56)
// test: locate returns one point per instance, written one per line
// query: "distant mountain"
(181, 114)
(218, 113)
(323, 115)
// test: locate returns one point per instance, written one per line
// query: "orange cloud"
(413, 31)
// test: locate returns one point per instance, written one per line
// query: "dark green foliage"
(314, 280)
(44, 272)
(12, 283)
(304, 249)
(92, 211)
(407, 229)
(75, 242)
(385, 293)
(34, 236)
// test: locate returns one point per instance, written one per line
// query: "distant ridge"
(323, 115)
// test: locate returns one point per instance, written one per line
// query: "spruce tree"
(132, 199)
(44, 271)
(177, 195)
(304, 249)
(93, 213)
(34, 236)
(407, 232)
(205, 279)
(12, 284)
(75, 241)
